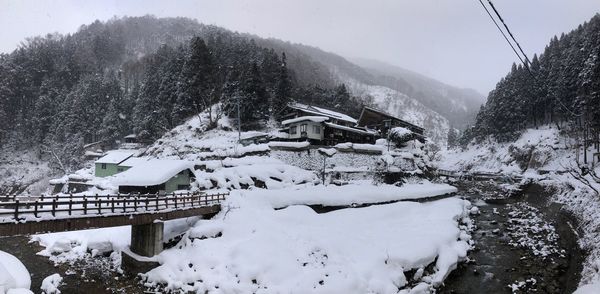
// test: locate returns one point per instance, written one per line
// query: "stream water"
(523, 244)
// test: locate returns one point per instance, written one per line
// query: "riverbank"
(523, 243)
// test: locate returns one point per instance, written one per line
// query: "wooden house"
(374, 119)
(107, 165)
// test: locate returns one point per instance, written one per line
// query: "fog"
(450, 40)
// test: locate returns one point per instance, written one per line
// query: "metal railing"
(64, 206)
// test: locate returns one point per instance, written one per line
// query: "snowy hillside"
(544, 156)
(406, 108)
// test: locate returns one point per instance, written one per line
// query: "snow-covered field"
(252, 248)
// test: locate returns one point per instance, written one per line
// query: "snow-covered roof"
(116, 156)
(152, 172)
(316, 119)
(131, 136)
(355, 130)
(133, 161)
(323, 112)
(252, 134)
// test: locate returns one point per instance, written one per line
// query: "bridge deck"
(66, 213)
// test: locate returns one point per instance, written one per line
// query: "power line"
(502, 32)
(525, 63)
(509, 32)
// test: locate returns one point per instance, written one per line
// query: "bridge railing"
(65, 206)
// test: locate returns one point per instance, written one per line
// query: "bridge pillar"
(147, 239)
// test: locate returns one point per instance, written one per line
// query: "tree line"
(561, 87)
(58, 93)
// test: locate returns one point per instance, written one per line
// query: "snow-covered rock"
(14, 276)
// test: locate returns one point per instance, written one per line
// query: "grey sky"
(450, 40)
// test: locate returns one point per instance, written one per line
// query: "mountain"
(464, 103)
(147, 75)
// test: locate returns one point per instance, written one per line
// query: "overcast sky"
(450, 40)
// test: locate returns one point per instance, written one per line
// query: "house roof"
(350, 129)
(317, 119)
(323, 112)
(152, 172)
(367, 108)
(116, 156)
(133, 161)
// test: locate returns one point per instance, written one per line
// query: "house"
(319, 130)
(107, 165)
(296, 110)
(374, 119)
(156, 176)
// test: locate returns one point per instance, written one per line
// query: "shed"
(156, 176)
(107, 165)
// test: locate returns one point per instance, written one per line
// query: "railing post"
(125, 204)
(42, 200)
(175, 202)
(16, 210)
(70, 205)
(112, 205)
(99, 200)
(96, 203)
(35, 210)
(85, 201)
(146, 203)
(135, 200)
(53, 207)
(156, 202)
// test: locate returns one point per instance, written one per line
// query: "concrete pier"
(147, 239)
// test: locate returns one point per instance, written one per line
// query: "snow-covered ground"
(14, 277)
(543, 156)
(252, 248)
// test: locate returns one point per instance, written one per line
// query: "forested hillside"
(144, 75)
(561, 87)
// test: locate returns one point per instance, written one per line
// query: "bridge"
(478, 176)
(144, 212)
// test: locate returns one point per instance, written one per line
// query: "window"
(103, 166)
(317, 129)
(293, 130)
(303, 128)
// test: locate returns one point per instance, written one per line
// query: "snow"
(317, 119)
(353, 193)
(351, 129)
(273, 175)
(13, 274)
(50, 284)
(323, 112)
(359, 147)
(152, 172)
(589, 289)
(133, 161)
(328, 151)
(400, 131)
(288, 145)
(295, 250)
(116, 156)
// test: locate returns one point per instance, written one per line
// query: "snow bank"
(13, 274)
(273, 175)
(288, 145)
(50, 284)
(588, 289)
(349, 194)
(295, 250)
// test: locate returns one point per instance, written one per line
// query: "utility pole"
(239, 120)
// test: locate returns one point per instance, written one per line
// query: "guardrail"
(64, 206)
